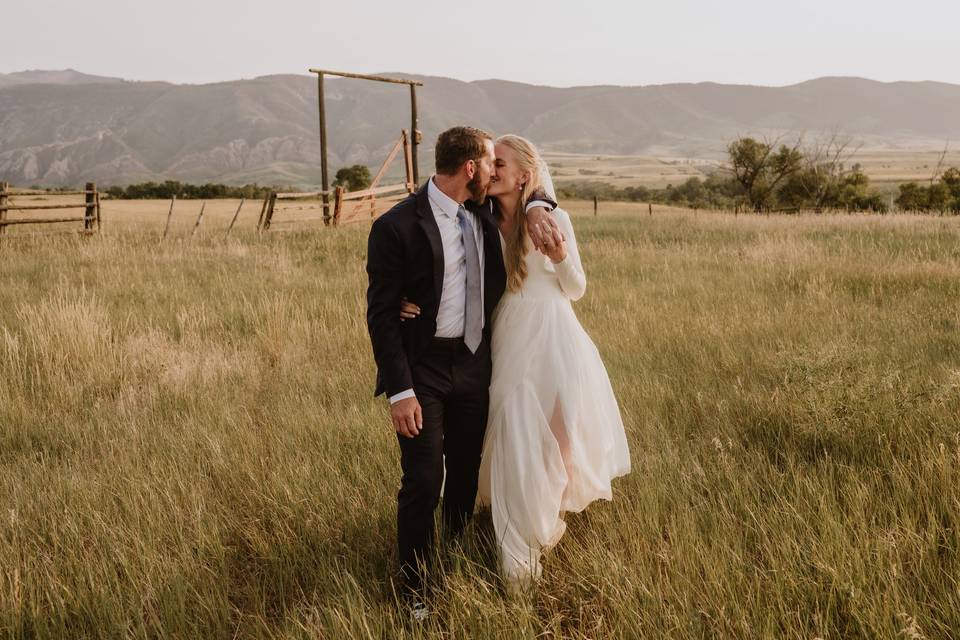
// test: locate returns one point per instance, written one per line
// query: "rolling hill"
(66, 127)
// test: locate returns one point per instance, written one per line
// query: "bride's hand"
(408, 310)
(554, 244)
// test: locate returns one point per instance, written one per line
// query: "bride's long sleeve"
(573, 281)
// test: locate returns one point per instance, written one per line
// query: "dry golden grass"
(190, 449)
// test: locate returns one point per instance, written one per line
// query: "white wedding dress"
(554, 438)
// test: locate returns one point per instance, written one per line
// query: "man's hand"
(407, 417)
(540, 226)
(554, 245)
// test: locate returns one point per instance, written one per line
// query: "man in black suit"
(442, 251)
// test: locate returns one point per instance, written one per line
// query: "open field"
(885, 168)
(189, 447)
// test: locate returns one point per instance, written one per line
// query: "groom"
(440, 249)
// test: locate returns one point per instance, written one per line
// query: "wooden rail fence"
(90, 206)
(367, 198)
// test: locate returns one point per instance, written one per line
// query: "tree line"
(352, 178)
(760, 176)
(169, 188)
(941, 196)
(766, 176)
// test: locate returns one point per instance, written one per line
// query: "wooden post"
(98, 212)
(199, 219)
(3, 203)
(90, 213)
(263, 210)
(594, 206)
(414, 135)
(337, 205)
(650, 208)
(166, 228)
(234, 218)
(324, 181)
(408, 161)
(269, 214)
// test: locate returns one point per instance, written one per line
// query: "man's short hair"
(457, 145)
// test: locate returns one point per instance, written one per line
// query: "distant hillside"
(64, 76)
(66, 127)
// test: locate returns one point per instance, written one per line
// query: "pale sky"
(767, 42)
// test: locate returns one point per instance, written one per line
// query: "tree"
(938, 197)
(353, 178)
(951, 178)
(825, 171)
(759, 168)
(912, 197)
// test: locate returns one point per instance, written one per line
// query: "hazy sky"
(560, 43)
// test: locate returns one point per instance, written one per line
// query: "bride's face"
(508, 175)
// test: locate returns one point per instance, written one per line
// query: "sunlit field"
(886, 169)
(190, 448)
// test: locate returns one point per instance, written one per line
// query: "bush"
(353, 178)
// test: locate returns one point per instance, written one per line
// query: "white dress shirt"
(452, 307)
(451, 312)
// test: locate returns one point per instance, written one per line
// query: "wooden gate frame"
(366, 196)
(415, 136)
(90, 205)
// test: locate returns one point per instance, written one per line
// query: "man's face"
(484, 171)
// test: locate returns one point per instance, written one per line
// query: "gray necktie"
(473, 311)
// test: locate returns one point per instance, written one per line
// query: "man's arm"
(540, 224)
(384, 291)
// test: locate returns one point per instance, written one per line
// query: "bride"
(554, 437)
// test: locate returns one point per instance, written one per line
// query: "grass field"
(189, 447)
(886, 169)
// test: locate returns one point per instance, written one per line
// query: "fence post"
(594, 206)
(650, 208)
(263, 211)
(98, 212)
(414, 135)
(3, 203)
(234, 218)
(166, 228)
(90, 213)
(268, 216)
(325, 185)
(199, 219)
(337, 205)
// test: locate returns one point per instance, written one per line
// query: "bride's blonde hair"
(529, 160)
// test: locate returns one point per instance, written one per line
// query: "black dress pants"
(452, 386)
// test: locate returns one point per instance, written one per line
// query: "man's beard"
(478, 192)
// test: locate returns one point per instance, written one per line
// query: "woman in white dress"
(554, 438)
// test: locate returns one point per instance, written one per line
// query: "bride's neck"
(508, 206)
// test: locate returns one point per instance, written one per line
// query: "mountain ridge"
(66, 127)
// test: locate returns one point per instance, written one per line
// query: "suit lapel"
(496, 274)
(429, 225)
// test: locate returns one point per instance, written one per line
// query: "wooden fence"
(366, 198)
(90, 206)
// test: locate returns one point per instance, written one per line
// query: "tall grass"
(189, 446)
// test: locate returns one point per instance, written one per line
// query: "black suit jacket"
(405, 259)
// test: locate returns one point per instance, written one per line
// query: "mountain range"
(66, 127)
